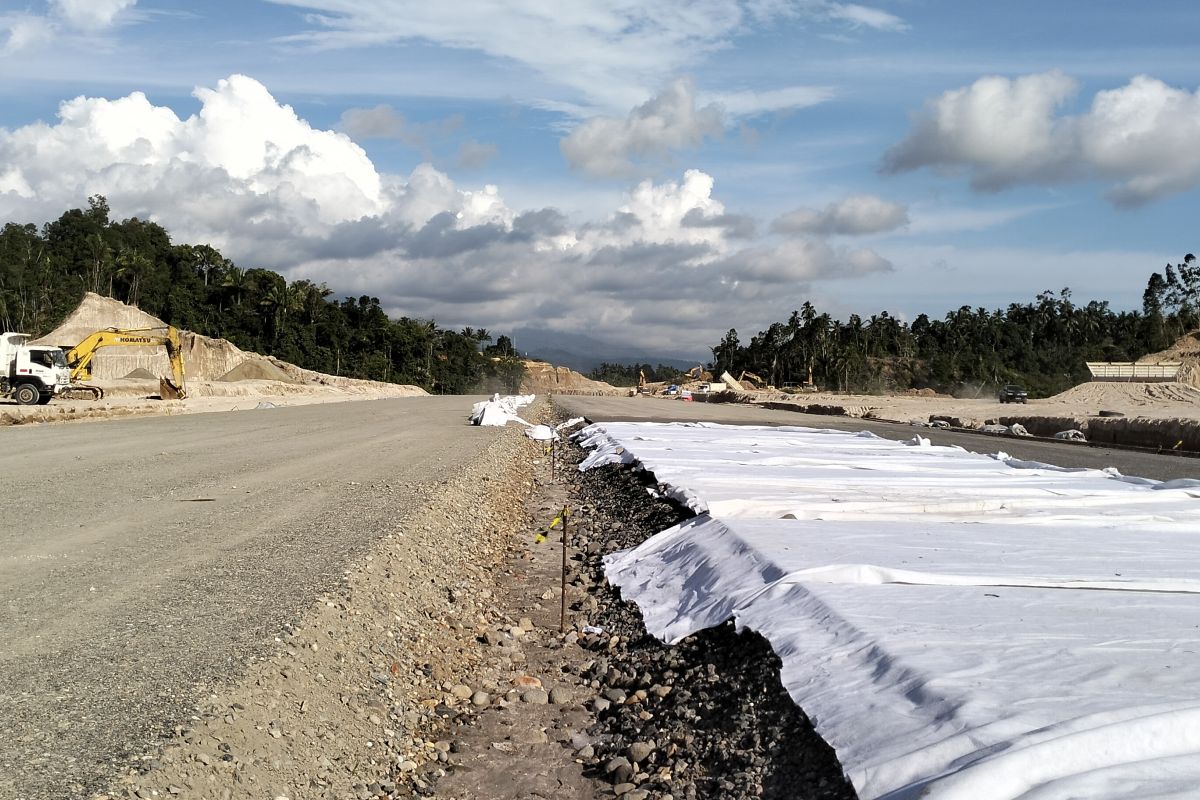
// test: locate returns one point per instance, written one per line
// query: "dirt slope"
(205, 359)
(1186, 350)
(544, 378)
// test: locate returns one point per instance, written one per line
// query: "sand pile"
(543, 378)
(96, 313)
(257, 369)
(1111, 394)
(308, 376)
(1185, 350)
(204, 359)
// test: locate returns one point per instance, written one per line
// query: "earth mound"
(1186, 350)
(254, 369)
(1119, 395)
(204, 358)
(543, 378)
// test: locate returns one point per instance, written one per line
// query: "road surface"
(143, 560)
(614, 409)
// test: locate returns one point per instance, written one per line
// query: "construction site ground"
(275, 593)
(125, 398)
(311, 602)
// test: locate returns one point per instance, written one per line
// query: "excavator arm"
(79, 357)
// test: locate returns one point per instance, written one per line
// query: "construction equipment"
(79, 358)
(753, 380)
(31, 374)
(698, 373)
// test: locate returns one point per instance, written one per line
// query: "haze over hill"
(584, 353)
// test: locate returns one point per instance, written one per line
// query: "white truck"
(29, 373)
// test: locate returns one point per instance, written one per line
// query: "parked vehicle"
(31, 374)
(1011, 393)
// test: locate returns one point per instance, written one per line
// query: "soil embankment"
(220, 376)
(542, 378)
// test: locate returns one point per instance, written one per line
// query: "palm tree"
(131, 266)
(235, 280)
(276, 299)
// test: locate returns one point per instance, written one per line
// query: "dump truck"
(31, 374)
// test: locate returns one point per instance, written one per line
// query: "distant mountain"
(584, 353)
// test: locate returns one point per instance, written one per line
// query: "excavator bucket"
(167, 390)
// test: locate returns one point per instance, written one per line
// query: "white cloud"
(1144, 135)
(748, 102)
(90, 15)
(26, 31)
(1139, 137)
(246, 174)
(855, 215)
(23, 32)
(242, 160)
(610, 54)
(669, 121)
(1005, 130)
(863, 17)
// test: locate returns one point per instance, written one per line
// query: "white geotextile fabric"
(946, 642)
(500, 410)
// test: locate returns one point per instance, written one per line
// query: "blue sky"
(648, 172)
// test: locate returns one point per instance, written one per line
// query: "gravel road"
(143, 561)
(615, 409)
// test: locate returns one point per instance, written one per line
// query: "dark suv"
(1012, 393)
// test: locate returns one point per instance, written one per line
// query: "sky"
(646, 172)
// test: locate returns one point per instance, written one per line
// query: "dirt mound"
(96, 313)
(1185, 350)
(1122, 395)
(140, 374)
(204, 359)
(255, 369)
(543, 378)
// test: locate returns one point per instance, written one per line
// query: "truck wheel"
(27, 394)
(44, 398)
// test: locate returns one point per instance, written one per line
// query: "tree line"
(1042, 344)
(45, 272)
(630, 374)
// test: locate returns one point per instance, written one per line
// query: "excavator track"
(82, 391)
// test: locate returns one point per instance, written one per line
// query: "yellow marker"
(554, 523)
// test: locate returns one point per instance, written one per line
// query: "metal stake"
(562, 614)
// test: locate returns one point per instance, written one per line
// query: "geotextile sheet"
(956, 625)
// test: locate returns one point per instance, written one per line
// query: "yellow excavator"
(753, 380)
(79, 357)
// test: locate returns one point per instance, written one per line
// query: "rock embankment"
(706, 718)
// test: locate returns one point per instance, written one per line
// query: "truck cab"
(31, 374)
